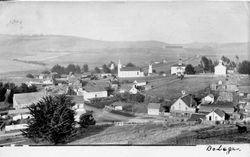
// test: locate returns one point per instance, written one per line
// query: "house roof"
(219, 112)
(177, 65)
(96, 86)
(119, 103)
(130, 69)
(189, 100)
(154, 105)
(78, 99)
(227, 107)
(196, 116)
(18, 111)
(244, 89)
(28, 98)
(126, 87)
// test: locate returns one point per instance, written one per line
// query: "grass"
(171, 87)
(148, 133)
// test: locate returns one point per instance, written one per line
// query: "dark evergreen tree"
(130, 65)
(85, 68)
(52, 120)
(189, 69)
(244, 67)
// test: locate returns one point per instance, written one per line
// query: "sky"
(170, 22)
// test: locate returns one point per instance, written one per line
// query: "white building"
(185, 105)
(124, 72)
(78, 107)
(216, 115)
(154, 108)
(178, 68)
(150, 69)
(140, 83)
(220, 69)
(93, 92)
(209, 99)
(133, 90)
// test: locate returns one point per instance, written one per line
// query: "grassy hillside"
(55, 49)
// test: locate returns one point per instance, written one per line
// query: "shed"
(154, 108)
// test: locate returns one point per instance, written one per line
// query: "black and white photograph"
(125, 73)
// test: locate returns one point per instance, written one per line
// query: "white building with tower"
(150, 69)
(220, 69)
(124, 72)
(178, 68)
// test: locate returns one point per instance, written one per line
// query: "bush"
(29, 76)
(53, 120)
(217, 122)
(101, 102)
(86, 119)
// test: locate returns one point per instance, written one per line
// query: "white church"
(220, 69)
(125, 72)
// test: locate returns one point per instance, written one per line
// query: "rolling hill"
(57, 49)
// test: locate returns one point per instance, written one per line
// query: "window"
(137, 73)
(210, 118)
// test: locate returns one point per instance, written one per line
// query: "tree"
(130, 65)
(244, 67)
(106, 69)
(85, 68)
(207, 64)
(46, 72)
(97, 70)
(86, 119)
(70, 68)
(189, 69)
(225, 60)
(52, 120)
(58, 69)
(29, 76)
(77, 69)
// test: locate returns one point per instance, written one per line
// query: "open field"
(171, 87)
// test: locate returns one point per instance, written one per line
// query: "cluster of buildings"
(230, 99)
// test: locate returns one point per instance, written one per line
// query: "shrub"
(86, 119)
(29, 76)
(217, 122)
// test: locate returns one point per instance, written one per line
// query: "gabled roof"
(177, 65)
(227, 107)
(219, 112)
(189, 100)
(96, 86)
(197, 116)
(130, 69)
(78, 99)
(154, 105)
(126, 87)
(28, 98)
